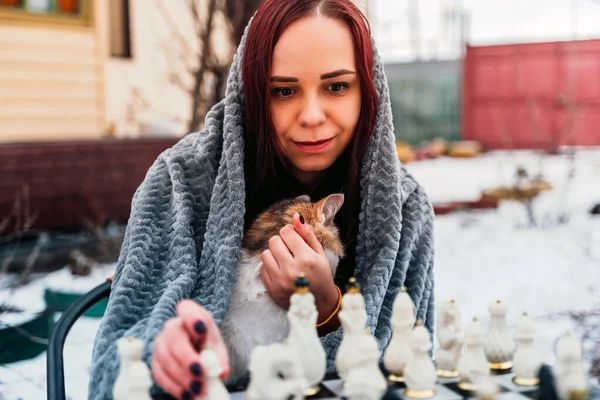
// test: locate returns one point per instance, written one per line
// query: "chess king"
(303, 336)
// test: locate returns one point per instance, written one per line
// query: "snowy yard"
(480, 257)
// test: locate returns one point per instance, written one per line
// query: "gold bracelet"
(337, 308)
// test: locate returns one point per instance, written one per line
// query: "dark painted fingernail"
(301, 219)
(200, 327)
(196, 369)
(196, 387)
(186, 395)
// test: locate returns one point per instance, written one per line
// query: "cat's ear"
(330, 206)
(304, 197)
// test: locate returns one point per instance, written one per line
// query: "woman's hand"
(176, 366)
(296, 249)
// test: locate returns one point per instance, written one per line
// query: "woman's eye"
(338, 88)
(283, 92)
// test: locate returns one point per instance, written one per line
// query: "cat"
(253, 316)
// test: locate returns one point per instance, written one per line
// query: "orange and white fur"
(253, 317)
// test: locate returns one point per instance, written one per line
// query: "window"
(120, 33)
(75, 12)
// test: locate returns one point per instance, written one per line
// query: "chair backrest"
(55, 374)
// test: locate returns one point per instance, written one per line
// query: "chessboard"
(446, 389)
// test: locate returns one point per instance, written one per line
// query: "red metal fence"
(537, 96)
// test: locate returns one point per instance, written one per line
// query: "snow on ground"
(480, 257)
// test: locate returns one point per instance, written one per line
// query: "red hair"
(263, 153)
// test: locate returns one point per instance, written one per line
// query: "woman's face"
(316, 96)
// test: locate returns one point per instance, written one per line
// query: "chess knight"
(448, 335)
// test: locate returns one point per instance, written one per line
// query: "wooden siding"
(51, 82)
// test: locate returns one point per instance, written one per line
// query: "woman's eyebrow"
(283, 79)
(337, 73)
(328, 75)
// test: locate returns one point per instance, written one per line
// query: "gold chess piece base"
(447, 373)
(467, 386)
(503, 366)
(520, 381)
(419, 394)
(396, 378)
(312, 391)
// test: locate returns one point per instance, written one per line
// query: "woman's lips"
(314, 147)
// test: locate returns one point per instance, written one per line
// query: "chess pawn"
(353, 318)
(398, 351)
(130, 385)
(499, 345)
(571, 379)
(364, 380)
(215, 389)
(528, 360)
(420, 373)
(303, 336)
(275, 373)
(472, 364)
(448, 336)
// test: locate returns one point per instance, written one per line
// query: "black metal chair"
(55, 374)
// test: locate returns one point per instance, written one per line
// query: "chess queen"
(306, 111)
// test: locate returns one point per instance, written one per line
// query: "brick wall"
(71, 182)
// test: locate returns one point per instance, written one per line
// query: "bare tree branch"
(174, 78)
(175, 32)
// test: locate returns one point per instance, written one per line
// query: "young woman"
(306, 111)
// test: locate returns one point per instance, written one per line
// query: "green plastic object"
(426, 108)
(26, 340)
(60, 301)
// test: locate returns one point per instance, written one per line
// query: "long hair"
(263, 154)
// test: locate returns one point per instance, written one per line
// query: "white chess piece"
(140, 381)
(527, 360)
(214, 387)
(303, 336)
(448, 336)
(353, 318)
(364, 380)
(571, 379)
(472, 364)
(134, 380)
(420, 373)
(398, 350)
(499, 345)
(487, 389)
(275, 373)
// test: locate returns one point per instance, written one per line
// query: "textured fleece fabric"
(184, 235)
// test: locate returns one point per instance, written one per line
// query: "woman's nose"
(312, 113)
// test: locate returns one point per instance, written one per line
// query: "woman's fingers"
(306, 232)
(169, 373)
(164, 380)
(280, 251)
(202, 329)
